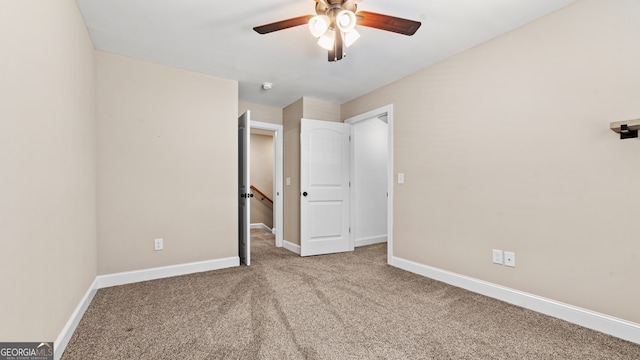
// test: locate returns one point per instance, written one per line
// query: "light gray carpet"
(341, 306)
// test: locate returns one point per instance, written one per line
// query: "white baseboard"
(370, 240)
(291, 246)
(129, 277)
(135, 276)
(261, 226)
(67, 331)
(590, 319)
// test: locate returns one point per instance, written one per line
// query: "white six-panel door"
(325, 181)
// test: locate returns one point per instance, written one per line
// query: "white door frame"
(388, 110)
(278, 213)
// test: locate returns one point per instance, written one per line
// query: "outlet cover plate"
(510, 258)
(497, 257)
(158, 244)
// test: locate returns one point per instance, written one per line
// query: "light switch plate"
(400, 178)
(497, 257)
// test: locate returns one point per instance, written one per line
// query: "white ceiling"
(216, 37)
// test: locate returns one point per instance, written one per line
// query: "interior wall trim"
(67, 331)
(291, 246)
(129, 277)
(370, 240)
(610, 325)
(261, 226)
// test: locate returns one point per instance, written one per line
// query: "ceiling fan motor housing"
(332, 7)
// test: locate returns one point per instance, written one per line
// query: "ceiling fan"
(334, 25)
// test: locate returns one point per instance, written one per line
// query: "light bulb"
(351, 37)
(346, 20)
(327, 40)
(319, 24)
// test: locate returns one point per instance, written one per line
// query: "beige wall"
(262, 153)
(320, 110)
(307, 108)
(507, 146)
(165, 139)
(261, 112)
(48, 176)
(291, 116)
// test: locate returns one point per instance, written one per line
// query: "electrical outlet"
(497, 257)
(510, 258)
(158, 244)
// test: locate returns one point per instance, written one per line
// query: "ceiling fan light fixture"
(327, 40)
(346, 20)
(351, 37)
(319, 24)
(335, 22)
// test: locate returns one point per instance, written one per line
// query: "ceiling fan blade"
(283, 24)
(388, 23)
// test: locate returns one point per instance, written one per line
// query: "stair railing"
(262, 195)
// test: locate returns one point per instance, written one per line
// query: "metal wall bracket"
(626, 133)
(627, 129)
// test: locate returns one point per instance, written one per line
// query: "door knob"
(304, 193)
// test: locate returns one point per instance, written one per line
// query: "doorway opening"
(262, 176)
(372, 178)
(247, 191)
(266, 178)
(341, 206)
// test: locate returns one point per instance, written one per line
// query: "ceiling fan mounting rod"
(324, 7)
